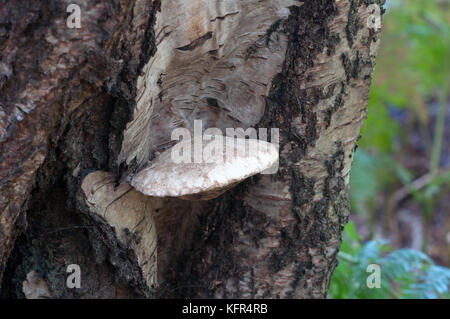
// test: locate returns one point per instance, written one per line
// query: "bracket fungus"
(207, 168)
(215, 165)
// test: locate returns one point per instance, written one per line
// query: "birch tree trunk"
(82, 110)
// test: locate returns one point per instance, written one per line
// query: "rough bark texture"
(64, 103)
(106, 97)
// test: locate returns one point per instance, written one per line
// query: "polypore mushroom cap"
(210, 177)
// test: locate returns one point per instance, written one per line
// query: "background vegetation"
(400, 178)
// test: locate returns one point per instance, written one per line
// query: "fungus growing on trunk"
(214, 166)
(207, 167)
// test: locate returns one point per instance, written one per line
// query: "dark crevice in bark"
(211, 258)
(57, 234)
(125, 87)
(82, 138)
(196, 43)
(55, 238)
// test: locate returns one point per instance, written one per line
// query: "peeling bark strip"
(130, 214)
(215, 61)
(105, 99)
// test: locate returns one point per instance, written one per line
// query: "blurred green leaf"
(405, 273)
(370, 174)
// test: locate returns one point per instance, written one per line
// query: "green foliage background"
(413, 67)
